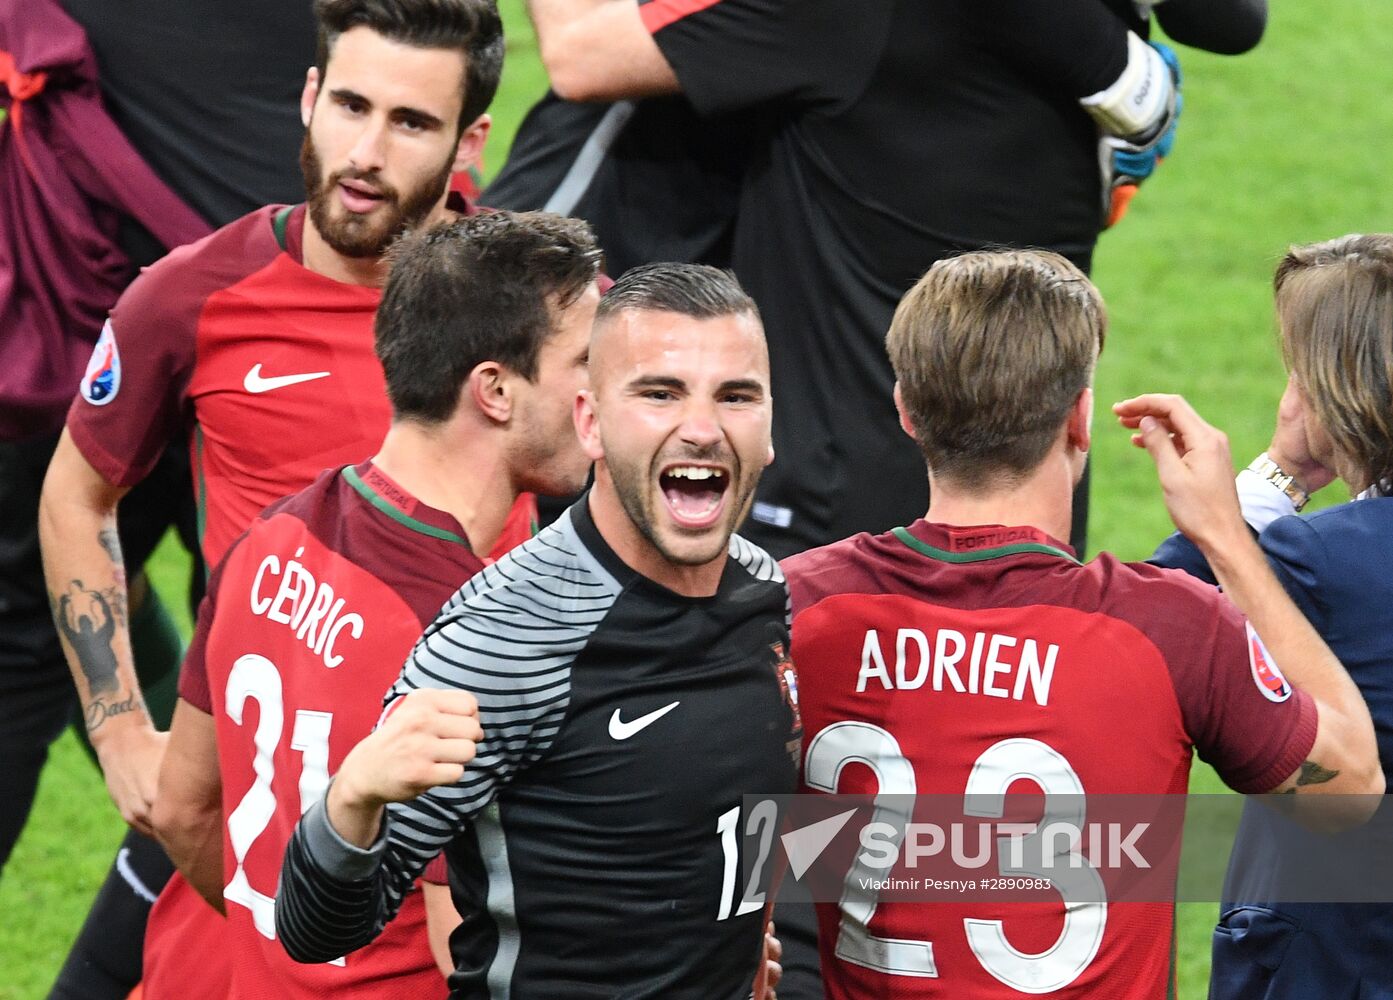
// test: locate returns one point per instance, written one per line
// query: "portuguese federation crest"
(788, 682)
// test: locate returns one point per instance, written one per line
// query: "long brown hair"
(1335, 308)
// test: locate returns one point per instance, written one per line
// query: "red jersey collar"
(974, 543)
(378, 489)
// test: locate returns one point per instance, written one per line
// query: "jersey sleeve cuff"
(334, 855)
(1297, 749)
(115, 471)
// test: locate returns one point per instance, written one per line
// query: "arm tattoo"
(98, 710)
(111, 542)
(1312, 774)
(86, 619)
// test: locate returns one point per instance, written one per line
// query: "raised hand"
(1194, 465)
(425, 741)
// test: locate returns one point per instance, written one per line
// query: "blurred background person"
(1335, 421)
(867, 144)
(131, 129)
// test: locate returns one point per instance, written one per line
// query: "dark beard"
(356, 236)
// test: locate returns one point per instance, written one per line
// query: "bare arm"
(441, 920)
(599, 50)
(188, 811)
(87, 592)
(1196, 474)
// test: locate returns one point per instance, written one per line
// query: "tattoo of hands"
(88, 620)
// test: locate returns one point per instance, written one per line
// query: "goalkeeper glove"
(1137, 117)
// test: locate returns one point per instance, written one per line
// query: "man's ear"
(471, 143)
(489, 390)
(587, 423)
(309, 95)
(1079, 427)
(906, 424)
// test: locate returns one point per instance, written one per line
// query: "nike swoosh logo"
(622, 730)
(138, 886)
(256, 382)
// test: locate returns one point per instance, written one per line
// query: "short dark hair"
(471, 26)
(991, 349)
(481, 288)
(696, 290)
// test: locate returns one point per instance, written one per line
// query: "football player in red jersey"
(483, 334)
(971, 651)
(255, 344)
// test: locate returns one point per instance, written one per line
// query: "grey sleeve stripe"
(520, 676)
(587, 162)
(758, 563)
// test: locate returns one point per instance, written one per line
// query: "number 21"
(256, 678)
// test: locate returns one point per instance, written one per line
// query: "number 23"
(992, 774)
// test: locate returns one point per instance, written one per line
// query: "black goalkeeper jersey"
(623, 724)
(902, 132)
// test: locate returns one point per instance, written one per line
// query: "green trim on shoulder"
(280, 223)
(401, 517)
(924, 548)
(201, 514)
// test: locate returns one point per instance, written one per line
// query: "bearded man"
(256, 343)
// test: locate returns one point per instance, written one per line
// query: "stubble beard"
(358, 236)
(632, 486)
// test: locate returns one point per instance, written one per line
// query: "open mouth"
(694, 494)
(359, 197)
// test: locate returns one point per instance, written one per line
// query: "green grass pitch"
(1287, 144)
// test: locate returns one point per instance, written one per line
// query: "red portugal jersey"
(266, 366)
(936, 660)
(306, 625)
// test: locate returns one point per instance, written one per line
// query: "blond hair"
(991, 349)
(1335, 309)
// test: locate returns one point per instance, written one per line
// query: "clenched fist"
(424, 741)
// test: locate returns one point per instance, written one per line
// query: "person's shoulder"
(191, 273)
(319, 501)
(827, 557)
(1339, 545)
(760, 565)
(323, 497)
(828, 569)
(1146, 595)
(1356, 519)
(552, 577)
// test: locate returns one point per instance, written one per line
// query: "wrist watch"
(1278, 477)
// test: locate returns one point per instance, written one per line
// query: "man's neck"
(1043, 500)
(323, 259)
(642, 556)
(466, 479)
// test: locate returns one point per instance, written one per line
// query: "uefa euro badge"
(1266, 674)
(102, 379)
